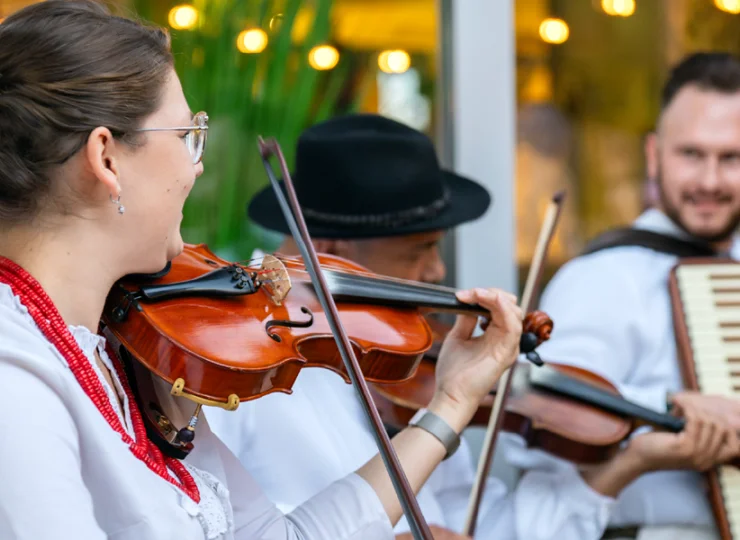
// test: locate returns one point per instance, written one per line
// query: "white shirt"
(612, 315)
(66, 474)
(319, 434)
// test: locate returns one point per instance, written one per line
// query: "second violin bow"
(536, 269)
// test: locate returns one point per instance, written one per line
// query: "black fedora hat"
(367, 176)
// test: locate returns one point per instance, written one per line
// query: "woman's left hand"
(469, 367)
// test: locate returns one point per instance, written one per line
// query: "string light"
(251, 41)
(323, 57)
(730, 6)
(619, 8)
(554, 31)
(396, 61)
(183, 17)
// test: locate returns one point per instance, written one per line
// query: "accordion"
(705, 296)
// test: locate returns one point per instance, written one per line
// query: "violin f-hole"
(289, 324)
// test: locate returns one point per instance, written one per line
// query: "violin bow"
(293, 215)
(536, 269)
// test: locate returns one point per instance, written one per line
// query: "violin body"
(556, 424)
(218, 344)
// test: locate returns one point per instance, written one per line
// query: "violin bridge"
(274, 279)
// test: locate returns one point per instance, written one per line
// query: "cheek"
(731, 179)
(411, 269)
(172, 185)
(678, 176)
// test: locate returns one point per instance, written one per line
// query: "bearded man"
(612, 304)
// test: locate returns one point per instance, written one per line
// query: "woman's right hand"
(467, 368)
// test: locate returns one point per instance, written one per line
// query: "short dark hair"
(715, 71)
(66, 68)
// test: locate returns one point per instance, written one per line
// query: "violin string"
(246, 262)
(375, 277)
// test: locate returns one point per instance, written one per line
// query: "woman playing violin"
(98, 153)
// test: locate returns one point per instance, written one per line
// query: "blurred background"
(578, 87)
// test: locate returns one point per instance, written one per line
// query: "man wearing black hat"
(374, 188)
(372, 191)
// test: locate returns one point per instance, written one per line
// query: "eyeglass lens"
(196, 138)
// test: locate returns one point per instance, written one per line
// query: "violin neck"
(346, 287)
(552, 380)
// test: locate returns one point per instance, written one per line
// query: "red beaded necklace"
(48, 319)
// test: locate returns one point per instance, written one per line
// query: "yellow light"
(621, 8)
(397, 61)
(252, 41)
(183, 17)
(730, 6)
(323, 57)
(554, 31)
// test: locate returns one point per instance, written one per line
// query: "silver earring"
(117, 200)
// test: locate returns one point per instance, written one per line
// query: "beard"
(674, 213)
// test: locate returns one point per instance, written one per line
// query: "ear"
(651, 155)
(100, 157)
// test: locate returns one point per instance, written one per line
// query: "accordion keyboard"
(710, 301)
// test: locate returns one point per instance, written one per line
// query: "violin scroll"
(538, 323)
(536, 329)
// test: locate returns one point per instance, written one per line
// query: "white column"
(483, 118)
(483, 112)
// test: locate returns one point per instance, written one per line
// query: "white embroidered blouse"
(65, 474)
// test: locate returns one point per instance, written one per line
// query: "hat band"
(390, 219)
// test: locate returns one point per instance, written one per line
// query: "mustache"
(701, 196)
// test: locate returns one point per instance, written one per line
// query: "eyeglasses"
(195, 137)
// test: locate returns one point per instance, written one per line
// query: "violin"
(221, 333)
(566, 411)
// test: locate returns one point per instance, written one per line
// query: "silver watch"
(430, 422)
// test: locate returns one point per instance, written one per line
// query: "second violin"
(568, 412)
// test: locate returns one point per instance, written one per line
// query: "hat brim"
(468, 201)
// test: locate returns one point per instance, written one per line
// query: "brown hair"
(67, 67)
(716, 71)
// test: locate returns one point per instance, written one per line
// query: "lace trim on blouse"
(214, 512)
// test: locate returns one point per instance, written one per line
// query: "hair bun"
(18, 183)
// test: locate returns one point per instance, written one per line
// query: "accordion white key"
(705, 295)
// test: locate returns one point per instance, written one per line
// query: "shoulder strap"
(629, 236)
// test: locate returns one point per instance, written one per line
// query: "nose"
(434, 269)
(710, 180)
(198, 169)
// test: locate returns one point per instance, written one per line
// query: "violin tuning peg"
(535, 358)
(528, 342)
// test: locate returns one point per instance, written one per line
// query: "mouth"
(707, 203)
